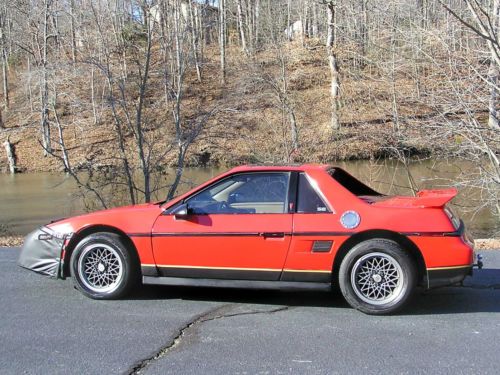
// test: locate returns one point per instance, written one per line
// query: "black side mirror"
(181, 212)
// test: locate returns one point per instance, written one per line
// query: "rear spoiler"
(435, 198)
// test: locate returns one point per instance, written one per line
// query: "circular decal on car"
(350, 219)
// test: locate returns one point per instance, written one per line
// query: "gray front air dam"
(42, 251)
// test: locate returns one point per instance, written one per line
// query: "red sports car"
(265, 226)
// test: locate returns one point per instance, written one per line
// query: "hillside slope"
(250, 124)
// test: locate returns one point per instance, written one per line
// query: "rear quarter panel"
(423, 226)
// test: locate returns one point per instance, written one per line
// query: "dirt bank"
(248, 125)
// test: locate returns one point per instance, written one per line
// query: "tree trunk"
(30, 90)
(303, 23)
(494, 69)
(181, 150)
(257, 23)
(44, 86)
(494, 81)
(5, 78)
(334, 68)
(288, 21)
(92, 95)
(64, 150)
(394, 102)
(314, 20)
(364, 27)
(11, 157)
(330, 12)
(73, 31)
(194, 41)
(222, 39)
(242, 28)
(293, 130)
(249, 23)
(5, 62)
(181, 154)
(423, 8)
(287, 104)
(145, 167)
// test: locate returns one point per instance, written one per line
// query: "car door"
(236, 228)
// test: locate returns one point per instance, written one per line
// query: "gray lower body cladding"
(445, 277)
(42, 252)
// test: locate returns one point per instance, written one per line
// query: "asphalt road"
(48, 327)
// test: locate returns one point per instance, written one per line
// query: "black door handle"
(273, 234)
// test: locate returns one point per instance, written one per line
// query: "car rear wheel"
(377, 277)
(103, 267)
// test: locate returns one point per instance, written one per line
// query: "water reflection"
(32, 199)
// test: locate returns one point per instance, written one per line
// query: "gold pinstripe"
(448, 268)
(316, 271)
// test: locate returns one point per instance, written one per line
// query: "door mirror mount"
(181, 212)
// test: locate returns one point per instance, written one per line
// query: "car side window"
(308, 199)
(245, 193)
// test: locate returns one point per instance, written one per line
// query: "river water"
(31, 199)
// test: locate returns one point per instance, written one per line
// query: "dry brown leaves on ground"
(9, 241)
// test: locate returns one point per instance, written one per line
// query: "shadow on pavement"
(479, 294)
(249, 296)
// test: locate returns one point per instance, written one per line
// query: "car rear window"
(351, 183)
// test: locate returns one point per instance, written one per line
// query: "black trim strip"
(306, 276)
(210, 234)
(305, 234)
(431, 234)
(246, 284)
(149, 270)
(220, 273)
(457, 233)
(234, 234)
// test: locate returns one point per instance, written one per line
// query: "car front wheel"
(377, 277)
(102, 266)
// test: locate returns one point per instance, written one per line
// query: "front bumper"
(43, 251)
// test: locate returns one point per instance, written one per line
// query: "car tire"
(104, 267)
(377, 277)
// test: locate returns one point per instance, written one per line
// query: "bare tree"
(486, 24)
(241, 27)
(175, 48)
(222, 39)
(331, 7)
(194, 40)
(44, 85)
(278, 86)
(3, 51)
